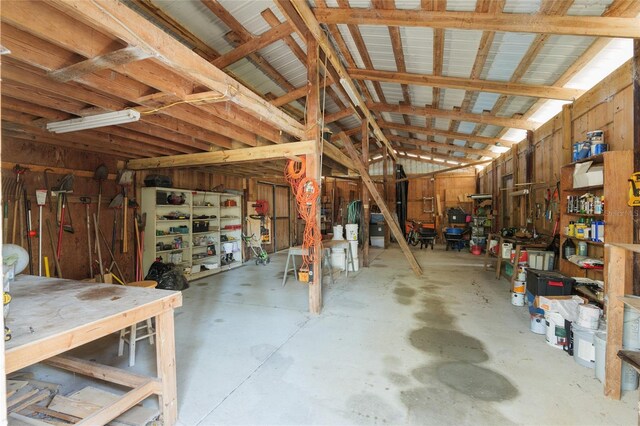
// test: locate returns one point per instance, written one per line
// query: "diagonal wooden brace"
(393, 225)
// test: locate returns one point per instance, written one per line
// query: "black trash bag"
(168, 276)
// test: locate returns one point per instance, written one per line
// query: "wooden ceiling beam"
(516, 89)
(253, 45)
(120, 21)
(314, 28)
(516, 123)
(447, 134)
(510, 22)
(420, 142)
(225, 157)
(109, 60)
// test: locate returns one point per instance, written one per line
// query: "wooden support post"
(166, 365)
(365, 197)
(389, 219)
(617, 278)
(567, 133)
(314, 167)
(635, 78)
(387, 192)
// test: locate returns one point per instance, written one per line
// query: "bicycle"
(260, 254)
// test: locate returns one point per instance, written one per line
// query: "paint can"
(493, 244)
(517, 299)
(629, 376)
(576, 150)
(556, 334)
(538, 324)
(588, 316)
(585, 150)
(519, 287)
(584, 352)
(351, 230)
(598, 148)
(522, 274)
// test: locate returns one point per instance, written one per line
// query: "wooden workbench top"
(49, 316)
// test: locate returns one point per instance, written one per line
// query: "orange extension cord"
(307, 194)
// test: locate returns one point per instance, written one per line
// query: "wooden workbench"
(50, 316)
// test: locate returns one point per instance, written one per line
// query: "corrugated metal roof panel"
(442, 123)
(558, 53)
(451, 98)
(522, 6)
(421, 95)
(466, 127)
(392, 92)
(484, 102)
(461, 5)
(378, 43)
(589, 7)
(417, 45)
(490, 131)
(505, 54)
(260, 82)
(460, 50)
(351, 45)
(516, 105)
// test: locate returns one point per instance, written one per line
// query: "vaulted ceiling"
(439, 81)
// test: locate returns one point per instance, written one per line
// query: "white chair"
(140, 331)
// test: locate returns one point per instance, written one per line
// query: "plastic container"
(584, 352)
(548, 283)
(629, 376)
(588, 316)
(354, 249)
(631, 328)
(337, 233)
(338, 259)
(582, 248)
(351, 231)
(506, 250)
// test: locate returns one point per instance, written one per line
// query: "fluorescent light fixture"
(377, 157)
(452, 162)
(93, 121)
(439, 160)
(425, 158)
(409, 154)
(349, 90)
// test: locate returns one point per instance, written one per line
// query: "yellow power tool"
(634, 190)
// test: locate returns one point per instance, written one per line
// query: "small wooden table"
(49, 316)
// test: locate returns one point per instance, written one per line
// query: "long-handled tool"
(65, 187)
(113, 257)
(48, 188)
(86, 201)
(41, 198)
(100, 175)
(27, 220)
(18, 170)
(125, 178)
(53, 250)
(95, 224)
(115, 204)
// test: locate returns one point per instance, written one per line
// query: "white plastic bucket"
(556, 334)
(517, 299)
(584, 351)
(354, 249)
(338, 260)
(351, 230)
(337, 233)
(629, 376)
(506, 250)
(538, 325)
(588, 316)
(356, 265)
(631, 328)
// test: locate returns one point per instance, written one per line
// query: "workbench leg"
(166, 361)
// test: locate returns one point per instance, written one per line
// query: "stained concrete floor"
(388, 348)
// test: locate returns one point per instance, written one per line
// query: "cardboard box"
(586, 174)
(548, 303)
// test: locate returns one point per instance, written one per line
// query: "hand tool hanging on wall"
(48, 188)
(115, 204)
(125, 178)
(41, 198)
(53, 249)
(27, 220)
(86, 201)
(100, 175)
(65, 187)
(97, 237)
(18, 170)
(113, 258)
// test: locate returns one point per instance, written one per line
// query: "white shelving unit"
(189, 234)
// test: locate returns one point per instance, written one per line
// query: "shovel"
(116, 204)
(100, 175)
(125, 178)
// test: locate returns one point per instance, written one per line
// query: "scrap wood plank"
(373, 191)
(21, 395)
(42, 395)
(15, 385)
(90, 400)
(55, 414)
(19, 420)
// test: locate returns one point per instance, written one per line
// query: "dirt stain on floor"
(476, 381)
(101, 293)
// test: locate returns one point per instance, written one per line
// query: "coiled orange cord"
(307, 193)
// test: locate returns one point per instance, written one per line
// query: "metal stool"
(130, 335)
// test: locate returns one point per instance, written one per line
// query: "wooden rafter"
(516, 89)
(517, 123)
(447, 134)
(420, 142)
(510, 22)
(117, 19)
(314, 28)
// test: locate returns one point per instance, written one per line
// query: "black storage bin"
(200, 225)
(457, 215)
(161, 198)
(376, 229)
(548, 283)
(158, 180)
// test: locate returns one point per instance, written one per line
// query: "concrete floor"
(388, 348)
